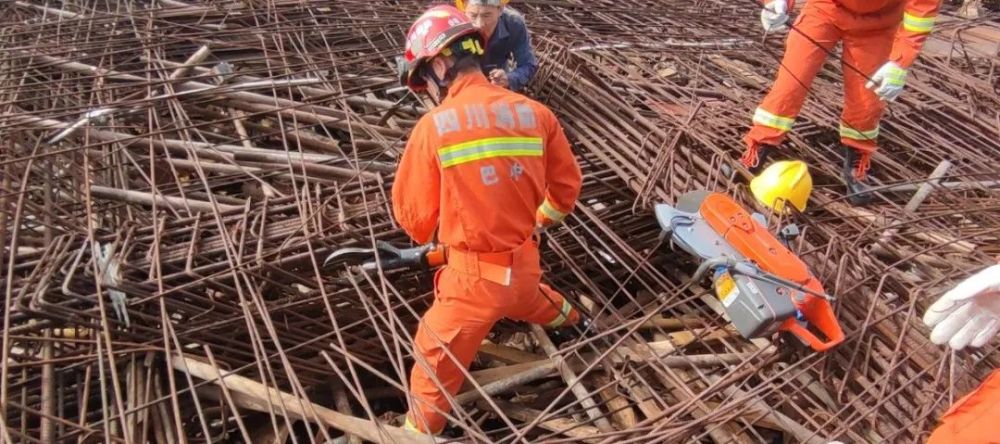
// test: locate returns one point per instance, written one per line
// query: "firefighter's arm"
(416, 191)
(918, 21)
(562, 175)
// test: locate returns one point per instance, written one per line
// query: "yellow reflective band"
(480, 149)
(551, 212)
(896, 76)
(920, 25)
(563, 315)
(408, 425)
(472, 45)
(851, 133)
(773, 120)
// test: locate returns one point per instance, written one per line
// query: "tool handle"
(809, 338)
(388, 264)
(394, 258)
(435, 256)
(818, 313)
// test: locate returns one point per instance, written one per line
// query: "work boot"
(758, 153)
(582, 329)
(451, 433)
(855, 173)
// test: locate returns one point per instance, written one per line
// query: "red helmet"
(430, 34)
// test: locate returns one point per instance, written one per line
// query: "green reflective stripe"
(488, 148)
(852, 133)
(896, 77)
(773, 120)
(408, 425)
(551, 212)
(563, 315)
(896, 80)
(921, 25)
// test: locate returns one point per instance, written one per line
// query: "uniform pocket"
(449, 286)
(433, 343)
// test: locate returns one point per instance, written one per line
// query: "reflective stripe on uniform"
(563, 315)
(920, 25)
(851, 133)
(488, 148)
(895, 76)
(775, 121)
(409, 426)
(551, 212)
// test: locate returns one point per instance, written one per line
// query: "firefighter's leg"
(864, 53)
(805, 51)
(548, 308)
(446, 343)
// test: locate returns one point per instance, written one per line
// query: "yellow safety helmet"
(460, 4)
(784, 181)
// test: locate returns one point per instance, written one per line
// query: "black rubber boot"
(582, 329)
(858, 192)
(764, 153)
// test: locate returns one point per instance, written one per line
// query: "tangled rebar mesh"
(173, 173)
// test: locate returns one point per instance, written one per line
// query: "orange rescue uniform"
(974, 418)
(489, 165)
(874, 32)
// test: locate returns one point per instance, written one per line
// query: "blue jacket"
(511, 39)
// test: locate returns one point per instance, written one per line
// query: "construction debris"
(173, 173)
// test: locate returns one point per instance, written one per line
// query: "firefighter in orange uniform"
(881, 40)
(969, 315)
(486, 168)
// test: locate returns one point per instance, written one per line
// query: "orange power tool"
(763, 286)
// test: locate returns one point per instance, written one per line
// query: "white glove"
(890, 79)
(968, 314)
(774, 16)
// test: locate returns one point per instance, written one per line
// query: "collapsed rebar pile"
(174, 173)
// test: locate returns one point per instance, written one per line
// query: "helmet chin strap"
(442, 84)
(434, 100)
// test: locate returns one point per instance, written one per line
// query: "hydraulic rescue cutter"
(388, 257)
(763, 286)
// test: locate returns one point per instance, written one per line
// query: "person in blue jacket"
(506, 38)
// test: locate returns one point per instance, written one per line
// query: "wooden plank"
(573, 381)
(251, 394)
(622, 414)
(507, 355)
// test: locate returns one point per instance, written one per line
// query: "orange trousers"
(867, 43)
(470, 296)
(974, 418)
